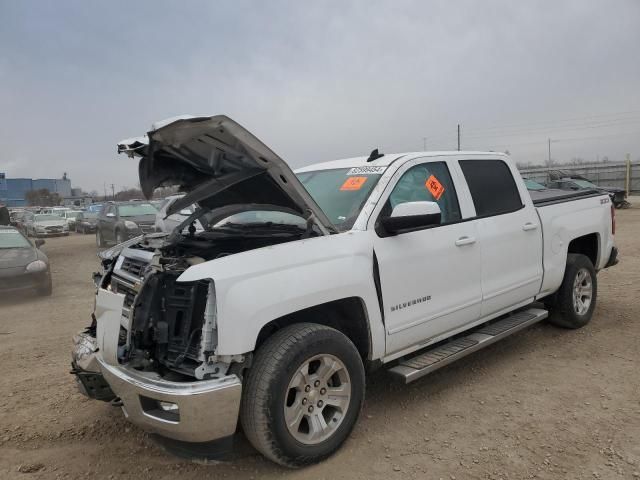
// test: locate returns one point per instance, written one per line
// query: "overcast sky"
(317, 80)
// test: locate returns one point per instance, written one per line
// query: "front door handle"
(529, 226)
(465, 241)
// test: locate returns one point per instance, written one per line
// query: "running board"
(418, 366)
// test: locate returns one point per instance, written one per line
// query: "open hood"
(218, 163)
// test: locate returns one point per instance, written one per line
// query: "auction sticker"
(353, 183)
(434, 186)
(366, 170)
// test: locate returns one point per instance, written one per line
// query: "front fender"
(258, 286)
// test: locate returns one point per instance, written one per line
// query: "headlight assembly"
(130, 225)
(36, 266)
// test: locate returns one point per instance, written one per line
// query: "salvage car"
(618, 195)
(300, 283)
(120, 221)
(86, 222)
(23, 266)
(45, 225)
(166, 223)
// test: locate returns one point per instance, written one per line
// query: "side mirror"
(411, 216)
(111, 215)
(39, 242)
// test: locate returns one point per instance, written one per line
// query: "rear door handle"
(465, 241)
(529, 226)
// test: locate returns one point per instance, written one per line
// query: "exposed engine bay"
(167, 326)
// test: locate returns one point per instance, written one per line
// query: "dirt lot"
(545, 403)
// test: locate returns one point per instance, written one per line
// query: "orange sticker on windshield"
(353, 183)
(434, 186)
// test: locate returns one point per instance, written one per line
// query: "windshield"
(135, 210)
(531, 185)
(340, 193)
(584, 184)
(72, 214)
(13, 239)
(46, 218)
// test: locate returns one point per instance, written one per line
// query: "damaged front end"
(151, 347)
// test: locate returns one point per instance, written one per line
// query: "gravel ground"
(546, 403)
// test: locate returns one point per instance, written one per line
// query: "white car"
(166, 223)
(70, 217)
(300, 283)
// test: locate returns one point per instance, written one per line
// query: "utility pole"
(458, 137)
(113, 192)
(549, 156)
(424, 144)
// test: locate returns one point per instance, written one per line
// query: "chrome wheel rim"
(317, 399)
(582, 291)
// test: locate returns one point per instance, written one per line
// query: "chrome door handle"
(529, 226)
(465, 241)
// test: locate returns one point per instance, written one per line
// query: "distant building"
(13, 191)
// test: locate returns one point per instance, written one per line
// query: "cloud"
(316, 81)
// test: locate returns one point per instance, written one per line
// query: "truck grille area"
(167, 322)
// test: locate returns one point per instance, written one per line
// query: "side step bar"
(415, 367)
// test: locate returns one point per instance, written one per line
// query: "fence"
(610, 174)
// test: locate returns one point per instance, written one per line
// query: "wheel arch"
(587, 245)
(347, 315)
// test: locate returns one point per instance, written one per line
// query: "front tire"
(303, 395)
(574, 303)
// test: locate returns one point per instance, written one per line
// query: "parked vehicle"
(45, 224)
(120, 221)
(533, 185)
(70, 216)
(17, 219)
(95, 207)
(86, 222)
(167, 223)
(618, 195)
(23, 266)
(399, 261)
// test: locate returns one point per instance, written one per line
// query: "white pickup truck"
(298, 284)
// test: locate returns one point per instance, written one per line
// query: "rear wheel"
(573, 304)
(303, 394)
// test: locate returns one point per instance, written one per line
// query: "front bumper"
(24, 282)
(201, 411)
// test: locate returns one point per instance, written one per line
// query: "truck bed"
(552, 196)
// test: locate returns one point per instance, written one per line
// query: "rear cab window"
(492, 186)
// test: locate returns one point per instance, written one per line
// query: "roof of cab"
(388, 159)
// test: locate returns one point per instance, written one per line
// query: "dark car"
(118, 222)
(22, 265)
(618, 195)
(86, 222)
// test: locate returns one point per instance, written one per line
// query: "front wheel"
(303, 395)
(574, 303)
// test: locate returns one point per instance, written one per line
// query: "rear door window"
(492, 187)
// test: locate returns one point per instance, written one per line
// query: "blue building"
(13, 191)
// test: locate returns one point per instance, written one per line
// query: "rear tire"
(303, 394)
(573, 304)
